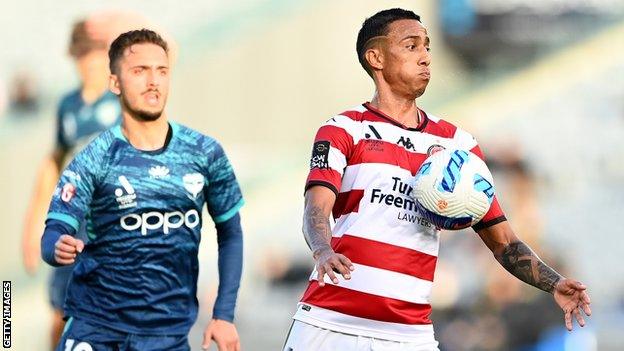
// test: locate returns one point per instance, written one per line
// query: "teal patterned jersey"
(79, 122)
(138, 271)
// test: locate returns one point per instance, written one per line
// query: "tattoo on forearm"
(522, 262)
(316, 228)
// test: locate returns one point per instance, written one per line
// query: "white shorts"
(306, 337)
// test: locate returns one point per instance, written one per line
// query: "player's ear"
(113, 84)
(374, 57)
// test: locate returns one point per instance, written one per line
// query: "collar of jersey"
(173, 130)
(421, 125)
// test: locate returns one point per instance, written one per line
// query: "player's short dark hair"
(81, 43)
(377, 25)
(130, 38)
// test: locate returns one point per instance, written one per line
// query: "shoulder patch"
(320, 155)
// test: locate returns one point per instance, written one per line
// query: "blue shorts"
(57, 287)
(81, 335)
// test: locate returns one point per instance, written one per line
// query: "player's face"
(142, 81)
(406, 58)
(93, 65)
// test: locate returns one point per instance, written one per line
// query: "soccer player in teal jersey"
(141, 187)
(82, 114)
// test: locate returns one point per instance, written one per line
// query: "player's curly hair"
(126, 40)
(377, 25)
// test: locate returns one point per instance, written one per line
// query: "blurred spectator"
(3, 97)
(285, 271)
(24, 93)
(106, 26)
(507, 161)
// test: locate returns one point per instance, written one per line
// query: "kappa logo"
(126, 197)
(406, 143)
(159, 172)
(194, 184)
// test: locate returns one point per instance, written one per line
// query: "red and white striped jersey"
(369, 160)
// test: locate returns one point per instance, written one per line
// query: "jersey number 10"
(81, 346)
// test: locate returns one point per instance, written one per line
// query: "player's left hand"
(572, 297)
(223, 333)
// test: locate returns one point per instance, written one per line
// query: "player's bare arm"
(319, 201)
(47, 176)
(518, 259)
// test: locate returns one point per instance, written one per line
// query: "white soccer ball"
(453, 189)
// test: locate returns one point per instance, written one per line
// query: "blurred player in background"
(373, 275)
(82, 114)
(141, 186)
(108, 25)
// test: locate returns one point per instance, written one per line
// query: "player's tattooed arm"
(518, 259)
(316, 228)
(319, 201)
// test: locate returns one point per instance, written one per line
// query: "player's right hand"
(329, 262)
(66, 249)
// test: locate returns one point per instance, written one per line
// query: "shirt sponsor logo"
(159, 172)
(320, 155)
(194, 184)
(403, 201)
(374, 145)
(155, 220)
(125, 196)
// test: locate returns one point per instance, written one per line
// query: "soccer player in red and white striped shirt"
(370, 289)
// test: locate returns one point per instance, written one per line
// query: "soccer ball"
(453, 189)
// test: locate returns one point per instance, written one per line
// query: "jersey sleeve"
(495, 214)
(221, 189)
(331, 151)
(74, 191)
